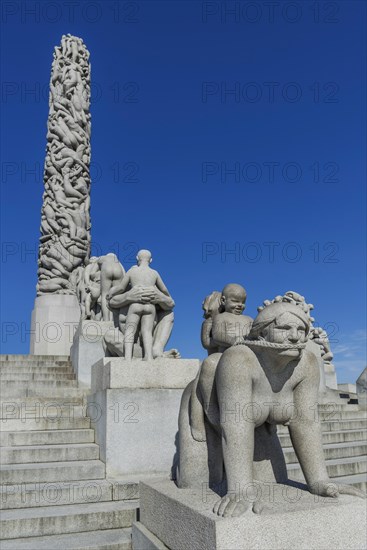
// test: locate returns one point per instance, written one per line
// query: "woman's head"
(281, 323)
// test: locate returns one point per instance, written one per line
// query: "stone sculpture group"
(137, 303)
(259, 373)
(65, 220)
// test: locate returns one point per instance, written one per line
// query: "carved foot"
(231, 506)
(172, 354)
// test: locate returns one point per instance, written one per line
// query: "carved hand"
(329, 488)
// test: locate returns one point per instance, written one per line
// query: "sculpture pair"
(93, 284)
(142, 311)
(258, 374)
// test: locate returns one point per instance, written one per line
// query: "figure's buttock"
(142, 309)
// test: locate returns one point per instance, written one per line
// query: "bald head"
(234, 289)
(144, 256)
(233, 298)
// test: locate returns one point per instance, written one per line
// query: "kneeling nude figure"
(275, 377)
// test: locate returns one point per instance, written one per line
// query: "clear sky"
(227, 137)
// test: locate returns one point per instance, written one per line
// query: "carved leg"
(162, 332)
(88, 304)
(200, 463)
(193, 468)
(131, 327)
(147, 324)
(113, 343)
(234, 380)
(106, 285)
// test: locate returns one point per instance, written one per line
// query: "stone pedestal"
(55, 318)
(330, 376)
(134, 407)
(347, 388)
(87, 348)
(182, 519)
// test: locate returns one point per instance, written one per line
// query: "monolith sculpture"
(64, 246)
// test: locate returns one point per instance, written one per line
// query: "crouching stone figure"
(267, 379)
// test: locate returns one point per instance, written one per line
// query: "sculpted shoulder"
(241, 352)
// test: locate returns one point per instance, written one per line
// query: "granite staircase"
(344, 435)
(54, 491)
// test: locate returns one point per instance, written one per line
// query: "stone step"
(72, 518)
(328, 407)
(52, 471)
(16, 392)
(21, 424)
(26, 495)
(37, 384)
(35, 358)
(29, 402)
(47, 437)
(35, 365)
(49, 453)
(341, 415)
(337, 425)
(336, 467)
(25, 377)
(10, 369)
(358, 480)
(333, 426)
(112, 539)
(331, 437)
(332, 450)
(49, 410)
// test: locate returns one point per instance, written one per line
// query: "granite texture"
(290, 518)
(134, 409)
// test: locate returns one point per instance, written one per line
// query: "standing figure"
(92, 287)
(112, 273)
(143, 276)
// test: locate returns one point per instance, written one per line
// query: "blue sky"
(227, 138)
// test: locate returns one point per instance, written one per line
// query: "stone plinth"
(134, 407)
(87, 348)
(347, 388)
(182, 519)
(55, 318)
(330, 376)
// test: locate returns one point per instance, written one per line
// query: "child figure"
(229, 327)
(141, 275)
